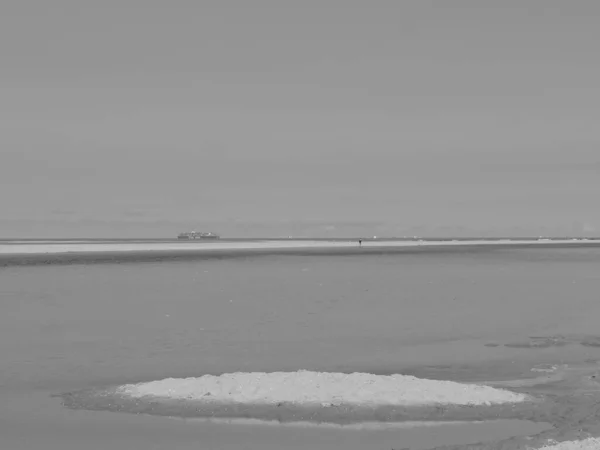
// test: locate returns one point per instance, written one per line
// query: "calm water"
(69, 327)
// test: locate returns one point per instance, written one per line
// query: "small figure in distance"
(360, 242)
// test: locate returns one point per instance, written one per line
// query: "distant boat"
(198, 235)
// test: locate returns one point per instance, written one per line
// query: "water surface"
(69, 327)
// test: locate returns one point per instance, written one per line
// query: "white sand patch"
(586, 444)
(321, 388)
(74, 247)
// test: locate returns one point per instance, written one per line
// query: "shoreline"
(18, 254)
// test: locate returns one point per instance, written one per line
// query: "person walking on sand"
(360, 242)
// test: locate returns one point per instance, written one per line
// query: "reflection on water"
(34, 421)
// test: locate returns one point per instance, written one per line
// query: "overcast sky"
(120, 117)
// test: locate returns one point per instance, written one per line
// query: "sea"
(75, 326)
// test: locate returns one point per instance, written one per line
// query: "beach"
(487, 341)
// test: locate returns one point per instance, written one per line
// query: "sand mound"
(326, 389)
(586, 444)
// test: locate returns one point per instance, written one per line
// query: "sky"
(123, 118)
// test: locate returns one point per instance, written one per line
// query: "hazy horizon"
(145, 118)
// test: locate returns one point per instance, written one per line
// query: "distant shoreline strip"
(60, 254)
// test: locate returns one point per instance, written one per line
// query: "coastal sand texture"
(586, 444)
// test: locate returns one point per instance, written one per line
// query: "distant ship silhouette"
(198, 235)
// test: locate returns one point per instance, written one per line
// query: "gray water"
(64, 328)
